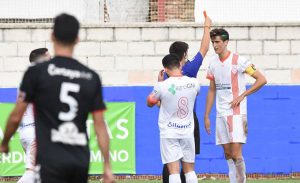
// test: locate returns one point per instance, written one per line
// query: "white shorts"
(29, 146)
(177, 149)
(231, 129)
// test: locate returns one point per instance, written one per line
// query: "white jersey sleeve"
(157, 91)
(243, 63)
(197, 86)
(210, 74)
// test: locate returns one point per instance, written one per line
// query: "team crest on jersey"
(172, 89)
(234, 69)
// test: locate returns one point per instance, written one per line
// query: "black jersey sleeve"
(98, 103)
(28, 84)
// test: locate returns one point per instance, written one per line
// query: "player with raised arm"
(26, 128)
(226, 73)
(177, 96)
(190, 68)
(63, 91)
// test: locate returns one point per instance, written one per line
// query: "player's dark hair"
(35, 54)
(171, 61)
(66, 28)
(219, 32)
(179, 48)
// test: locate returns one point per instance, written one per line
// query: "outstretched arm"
(191, 68)
(209, 103)
(206, 37)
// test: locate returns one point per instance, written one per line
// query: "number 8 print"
(183, 109)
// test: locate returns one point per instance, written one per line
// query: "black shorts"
(196, 134)
(59, 173)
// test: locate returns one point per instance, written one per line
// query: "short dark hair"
(179, 48)
(171, 61)
(219, 32)
(66, 28)
(35, 54)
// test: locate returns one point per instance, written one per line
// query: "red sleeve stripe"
(151, 99)
(210, 77)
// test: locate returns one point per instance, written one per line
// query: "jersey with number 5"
(63, 92)
(177, 96)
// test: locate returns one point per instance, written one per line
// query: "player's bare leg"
(231, 164)
(189, 173)
(239, 162)
(174, 169)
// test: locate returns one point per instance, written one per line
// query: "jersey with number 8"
(177, 96)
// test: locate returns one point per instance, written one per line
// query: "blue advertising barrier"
(274, 130)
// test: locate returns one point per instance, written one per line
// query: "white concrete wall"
(131, 54)
(248, 10)
(91, 11)
(87, 11)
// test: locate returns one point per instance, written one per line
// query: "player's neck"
(63, 51)
(224, 55)
(175, 73)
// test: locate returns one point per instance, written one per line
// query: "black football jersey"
(63, 92)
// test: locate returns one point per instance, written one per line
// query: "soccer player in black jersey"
(63, 92)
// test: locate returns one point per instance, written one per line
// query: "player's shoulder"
(213, 59)
(37, 66)
(189, 79)
(243, 60)
(240, 57)
(197, 56)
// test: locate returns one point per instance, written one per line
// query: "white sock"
(191, 177)
(28, 177)
(232, 171)
(174, 178)
(240, 170)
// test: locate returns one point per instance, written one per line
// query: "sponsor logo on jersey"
(172, 89)
(186, 86)
(221, 86)
(67, 133)
(176, 125)
(72, 74)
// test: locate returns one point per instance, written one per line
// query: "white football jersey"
(229, 78)
(26, 128)
(177, 96)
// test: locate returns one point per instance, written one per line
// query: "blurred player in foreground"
(63, 92)
(190, 68)
(26, 128)
(177, 96)
(226, 73)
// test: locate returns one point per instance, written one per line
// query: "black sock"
(182, 177)
(165, 174)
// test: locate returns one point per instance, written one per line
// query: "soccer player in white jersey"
(26, 128)
(177, 95)
(226, 73)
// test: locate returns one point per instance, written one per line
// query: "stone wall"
(130, 54)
